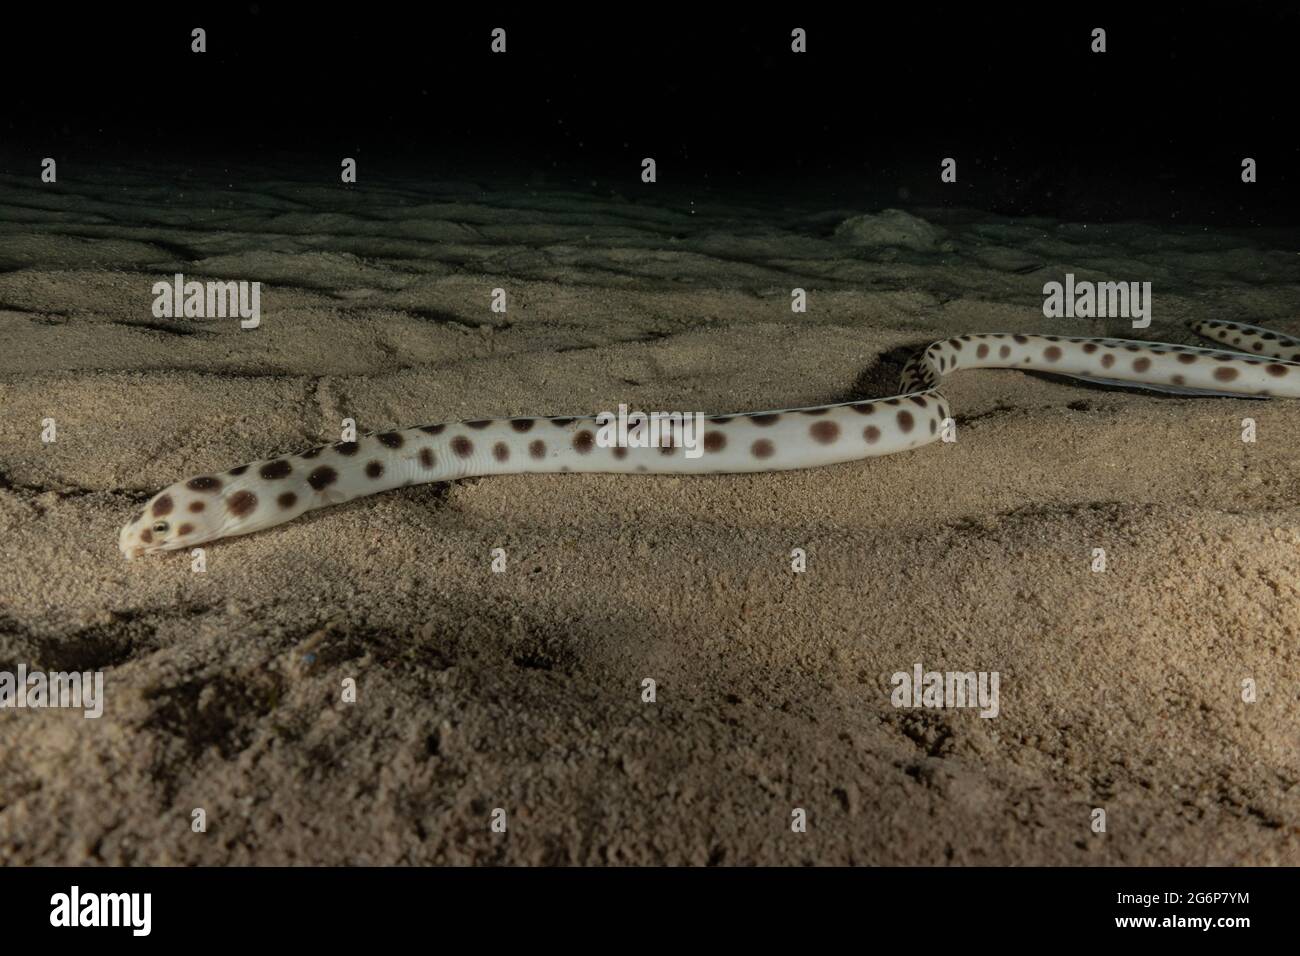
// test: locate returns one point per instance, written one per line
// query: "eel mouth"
(130, 544)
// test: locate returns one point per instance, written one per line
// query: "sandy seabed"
(1120, 690)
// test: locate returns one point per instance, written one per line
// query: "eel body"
(262, 494)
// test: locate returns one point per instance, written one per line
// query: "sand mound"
(892, 228)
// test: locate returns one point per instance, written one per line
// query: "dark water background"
(1154, 129)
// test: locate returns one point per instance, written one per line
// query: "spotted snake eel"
(266, 493)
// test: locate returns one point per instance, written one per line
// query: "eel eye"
(160, 527)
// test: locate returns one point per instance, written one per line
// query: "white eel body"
(266, 493)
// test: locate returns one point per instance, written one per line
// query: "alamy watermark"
(1100, 300)
(947, 689)
(38, 690)
(130, 910)
(208, 300)
(651, 430)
